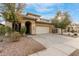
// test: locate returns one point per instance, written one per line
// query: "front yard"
(25, 46)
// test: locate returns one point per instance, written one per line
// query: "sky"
(49, 10)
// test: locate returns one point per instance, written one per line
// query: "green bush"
(8, 29)
(2, 30)
(23, 30)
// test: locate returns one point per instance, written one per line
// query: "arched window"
(16, 26)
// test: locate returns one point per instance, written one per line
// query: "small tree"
(12, 12)
(23, 30)
(55, 20)
(63, 23)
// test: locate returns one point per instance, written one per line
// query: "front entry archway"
(28, 27)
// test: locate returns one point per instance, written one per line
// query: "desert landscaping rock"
(75, 53)
(1, 49)
(23, 47)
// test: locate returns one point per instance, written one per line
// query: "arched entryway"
(28, 27)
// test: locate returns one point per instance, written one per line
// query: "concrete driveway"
(57, 45)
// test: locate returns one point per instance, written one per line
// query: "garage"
(42, 30)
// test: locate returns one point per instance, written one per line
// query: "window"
(16, 26)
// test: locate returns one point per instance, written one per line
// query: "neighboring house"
(34, 24)
(73, 27)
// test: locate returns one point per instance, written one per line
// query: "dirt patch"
(24, 47)
(75, 53)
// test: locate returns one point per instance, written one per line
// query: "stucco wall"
(32, 25)
(8, 24)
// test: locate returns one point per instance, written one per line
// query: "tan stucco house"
(35, 24)
(73, 27)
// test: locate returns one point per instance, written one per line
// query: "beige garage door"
(42, 30)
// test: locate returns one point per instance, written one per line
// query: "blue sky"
(48, 10)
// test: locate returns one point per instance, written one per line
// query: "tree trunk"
(61, 31)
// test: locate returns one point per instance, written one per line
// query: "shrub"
(15, 36)
(75, 34)
(73, 31)
(2, 30)
(8, 29)
(23, 30)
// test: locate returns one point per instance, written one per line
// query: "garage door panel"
(42, 30)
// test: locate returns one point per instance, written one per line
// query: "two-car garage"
(42, 30)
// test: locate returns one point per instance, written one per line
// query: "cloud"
(46, 7)
(43, 10)
(47, 16)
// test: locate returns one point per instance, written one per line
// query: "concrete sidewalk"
(50, 52)
(57, 45)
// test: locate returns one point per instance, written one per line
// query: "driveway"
(57, 45)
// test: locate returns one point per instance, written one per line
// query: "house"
(73, 27)
(34, 24)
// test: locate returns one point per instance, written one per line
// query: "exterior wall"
(32, 25)
(8, 24)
